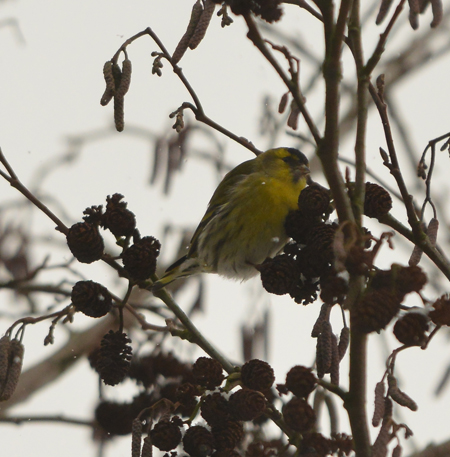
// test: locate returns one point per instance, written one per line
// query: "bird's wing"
(220, 198)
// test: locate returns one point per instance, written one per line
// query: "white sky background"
(50, 87)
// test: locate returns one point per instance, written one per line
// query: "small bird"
(244, 221)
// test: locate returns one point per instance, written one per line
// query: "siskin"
(244, 221)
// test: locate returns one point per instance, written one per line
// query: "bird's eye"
(288, 159)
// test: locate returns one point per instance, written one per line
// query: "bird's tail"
(182, 268)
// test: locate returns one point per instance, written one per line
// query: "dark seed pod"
(198, 441)
(114, 418)
(165, 435)
(91, 298)
(207, 372)
(215, 409)
(411, 329)
(440, 314)
(298, 415)
(139, 259)
(314, 200)
(377, 201)
(279, 275)
(300, 381)
(247, 404)
(114, 358)
(299, 226)
(85, 242)
(117, 218)
(258, 375)
(376, 309)
(228, 434)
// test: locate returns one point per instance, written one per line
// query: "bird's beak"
(300, 172)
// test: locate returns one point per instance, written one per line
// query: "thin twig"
(194, 336)
(197, 108)
(15, 182)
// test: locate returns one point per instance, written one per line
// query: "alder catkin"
(119, 117)
(438, 12)
(15, 360)
(182, 46)
(398, 395)
(378, 412)
(202, 24)
(136, 437)
(110, 85)
(125, 79)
